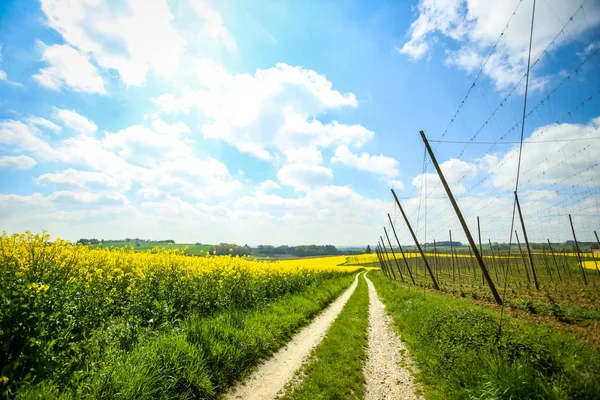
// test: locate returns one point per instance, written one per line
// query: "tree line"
(299, 251)
(126, 240)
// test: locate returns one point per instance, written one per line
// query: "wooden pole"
(494, 266)
(387, 269)
(435, 257)
(555, 263)
(523, 258)
(451, 253)
(535, 281)
(462, 221)
(435, 284)
(594, 254)
(401, 251)
(387, 257)
(380, 260)
(582, 270)
(480, 248)
(547, 264)
(393, 254)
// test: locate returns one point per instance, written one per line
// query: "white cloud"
(75, 121)
(268, 185)
(273, 109)
(382, 165)
(396, 184)
(131, 37)
(3, 76)
(303, 177)
(69, 197)
(561, 162)
(476, 25)
(213, 25)
(68, 67)
(42, 122)
(456, 172)
(17, 162)
(85, 180)
(308, 156)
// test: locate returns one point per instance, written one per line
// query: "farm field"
(187, 248)
(568, 296)
(84, 322)
(77, 320)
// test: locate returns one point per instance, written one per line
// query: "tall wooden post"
(380, 260)
(594, 254)
(387, 267)
(523, 258)
(435, 284)
(480, 248)
(389, 262)
(547, 265)
(462, 221)
(435, 258)
(578, 255)
(555, 263)
(401, 251)
(393, 254)
(451, 253)
(535, 281)
(494, 266)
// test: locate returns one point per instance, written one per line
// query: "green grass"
(334, 370)
(201, 358)
(144, 246)
(460, 354)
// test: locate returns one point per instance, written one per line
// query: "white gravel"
(386, 371)
(271, 376)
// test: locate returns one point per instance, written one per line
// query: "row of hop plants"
(55, 295)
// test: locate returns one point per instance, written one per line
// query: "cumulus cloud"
(17, 162)
(303, 177)
(268, 185)
(43, 123)
(381, 165)
(561, 162)
(68, 67)
(85, 180)
(274, 109)
(213, 25)
(131, 38)
(75, 121)
(476, 25)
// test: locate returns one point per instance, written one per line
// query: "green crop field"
(189, 248)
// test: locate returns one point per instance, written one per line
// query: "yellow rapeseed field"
(56, 294)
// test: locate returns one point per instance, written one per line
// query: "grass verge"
(334, 370)
(200, 359)
(461, 355)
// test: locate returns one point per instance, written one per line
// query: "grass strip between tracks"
(200, 359)
(335, 369)
(461, 355)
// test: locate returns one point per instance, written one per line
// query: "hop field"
(58, 299)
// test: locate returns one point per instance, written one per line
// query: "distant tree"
(368, 249)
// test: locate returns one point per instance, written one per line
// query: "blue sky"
(288, 122)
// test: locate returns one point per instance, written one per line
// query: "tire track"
(387, 373)
(271, 376)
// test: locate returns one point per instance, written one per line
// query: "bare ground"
(271, 376)
(387, 370)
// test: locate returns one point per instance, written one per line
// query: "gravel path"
(386, 371)
(270, 377)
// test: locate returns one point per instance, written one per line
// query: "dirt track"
(386, 371)
(271, 376)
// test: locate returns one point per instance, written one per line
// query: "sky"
(288, 122)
